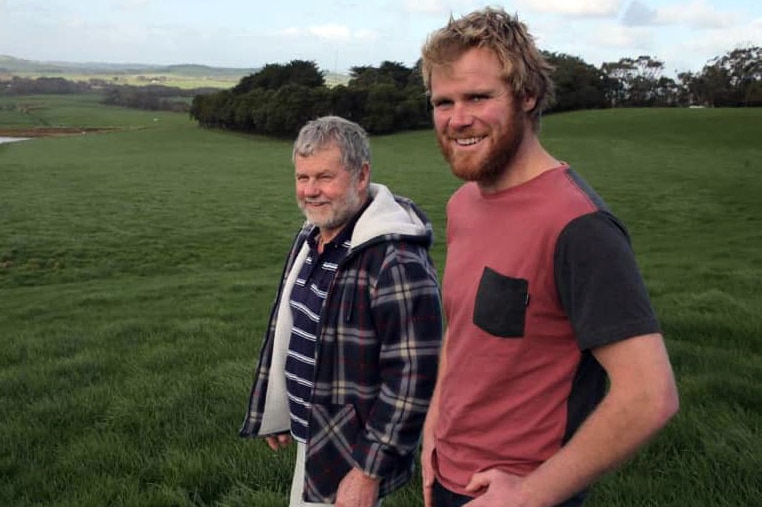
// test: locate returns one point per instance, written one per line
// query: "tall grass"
(137, 270)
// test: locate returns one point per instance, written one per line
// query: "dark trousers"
(443, 497)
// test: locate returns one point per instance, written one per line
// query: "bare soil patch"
(54, 131)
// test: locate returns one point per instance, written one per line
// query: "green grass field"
(137, 270)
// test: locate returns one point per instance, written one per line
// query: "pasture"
(137, 269)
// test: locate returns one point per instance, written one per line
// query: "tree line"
(42, 86)
(280, 98)
(151, 97)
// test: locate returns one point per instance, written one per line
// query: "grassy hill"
(137, 269)
(17, 65)
(181, 75)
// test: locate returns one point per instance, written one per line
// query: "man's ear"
(529, 103)
(363, 179)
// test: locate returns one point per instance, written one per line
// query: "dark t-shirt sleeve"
(599, 283)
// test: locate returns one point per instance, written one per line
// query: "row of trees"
(152, 97)
(278, 99)
(149, 97)
(42, 86)
(734, 79)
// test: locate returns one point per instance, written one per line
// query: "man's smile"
(469, 141)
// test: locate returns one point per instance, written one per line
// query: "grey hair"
(327, 131)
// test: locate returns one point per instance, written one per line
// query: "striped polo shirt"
(307, 298)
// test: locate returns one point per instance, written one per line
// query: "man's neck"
(531, 160)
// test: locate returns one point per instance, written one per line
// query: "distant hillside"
(203, 74)
(9, 64)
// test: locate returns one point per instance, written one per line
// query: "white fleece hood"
(388, 214)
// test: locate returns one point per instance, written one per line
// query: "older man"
(350, 357)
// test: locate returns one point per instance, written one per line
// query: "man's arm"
(406, 309)
(357, 489)
(427, 449)
(641, 400)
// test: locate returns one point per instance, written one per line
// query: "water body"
(12, 139)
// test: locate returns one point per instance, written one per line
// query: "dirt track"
(53, 131)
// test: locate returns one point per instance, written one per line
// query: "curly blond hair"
(524, 68)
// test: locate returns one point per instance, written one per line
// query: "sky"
(339, 34)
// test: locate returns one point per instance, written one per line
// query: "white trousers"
(297, 483)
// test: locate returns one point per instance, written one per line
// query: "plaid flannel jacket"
(376, 365)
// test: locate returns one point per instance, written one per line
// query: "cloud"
(366, 35)
(622, 38)
(639, 14)
(439, 7)
(691, 41)
(719, 42)
(696, 14)
(132, 5)
(328, 32)
(8, 7)
(578, 8)
(581, 8)
(290, 32)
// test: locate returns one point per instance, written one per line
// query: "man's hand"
(357, 490)
(495, 488)
(277, 442)
(427, 469)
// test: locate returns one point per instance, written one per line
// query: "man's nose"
(461, 116)
(311, 188)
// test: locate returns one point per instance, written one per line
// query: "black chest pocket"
(501, 304)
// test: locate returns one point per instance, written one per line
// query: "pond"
(12, 139)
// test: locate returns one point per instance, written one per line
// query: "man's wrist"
(365, 475)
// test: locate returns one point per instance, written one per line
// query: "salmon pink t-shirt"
(536, 277)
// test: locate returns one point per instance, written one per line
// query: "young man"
(349, 361)
(542, 294)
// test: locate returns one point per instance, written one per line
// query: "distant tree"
(617, 82)
(666, 92)
(216, 110)
(366, 76)
(396, 72)
(713, 86)
(734, 79)
(150, 97)
(382, 111)
(349, 102)
(393, 73)
(274, 76)
(416, 74)
(687, 91)
(251, 109)
(292, 106)
(43, 86)
(634, 81)
(579, 85)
